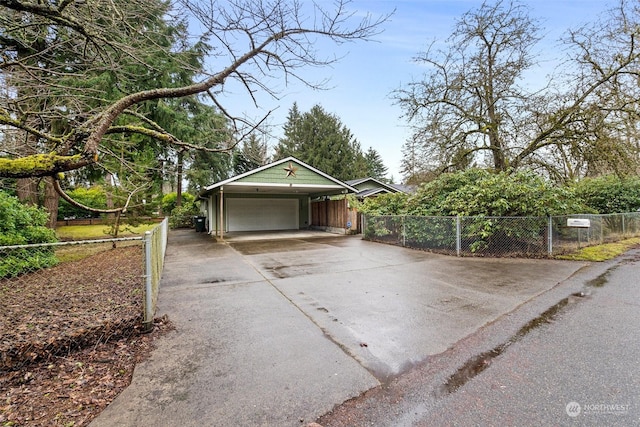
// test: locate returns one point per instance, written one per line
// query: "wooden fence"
(335, 214)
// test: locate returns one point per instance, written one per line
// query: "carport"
(272, 197)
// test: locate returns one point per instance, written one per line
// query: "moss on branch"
(39, 165)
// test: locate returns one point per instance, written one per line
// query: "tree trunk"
(499, 161)
(27, 190)
(179, 177)
(51, 199)
(108, 187)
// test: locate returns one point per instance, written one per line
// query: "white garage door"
(262, 214)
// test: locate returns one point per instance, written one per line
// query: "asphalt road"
(576, 365)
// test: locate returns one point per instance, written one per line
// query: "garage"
(277, 196)
(262, 214)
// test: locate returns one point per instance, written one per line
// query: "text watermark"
(574, 409)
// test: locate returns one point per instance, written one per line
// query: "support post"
(221, 221)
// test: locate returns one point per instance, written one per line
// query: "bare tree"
(53, 45)
(470, 101)
(472, 109)
(592, 127)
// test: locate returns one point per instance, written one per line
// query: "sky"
(359, 86)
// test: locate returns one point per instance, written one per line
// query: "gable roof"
(370, 186)
(295, 177)
(372, 192)
(404, 188)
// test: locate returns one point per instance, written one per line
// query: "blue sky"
(360, 83)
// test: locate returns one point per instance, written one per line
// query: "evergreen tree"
(252, 154)
(375, 165)
(321, 140)
(289, 145)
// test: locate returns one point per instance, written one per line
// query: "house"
(284, 195)
(371, 187)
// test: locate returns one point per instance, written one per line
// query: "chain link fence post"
(148, 286)
(458, 236)
(549, 235)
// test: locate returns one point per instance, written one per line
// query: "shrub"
(610, 194)
(169, 202)
(478, 192)
(94, 197)
(182, 217)
(384, 204)
(22, 225)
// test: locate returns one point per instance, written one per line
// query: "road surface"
(577, 363)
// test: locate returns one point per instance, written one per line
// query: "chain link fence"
(601, 229)
(155, 247)
(501, 236)
(58, 297)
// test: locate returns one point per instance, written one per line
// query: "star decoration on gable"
(290, 170)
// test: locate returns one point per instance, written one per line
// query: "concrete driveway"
(276, 332)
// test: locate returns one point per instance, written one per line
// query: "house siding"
(277, 175)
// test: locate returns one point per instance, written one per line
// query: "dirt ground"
(70, 337)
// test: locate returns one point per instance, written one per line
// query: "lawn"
(93, 232)
(100, 231)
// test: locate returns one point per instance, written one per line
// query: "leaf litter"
(70, 337)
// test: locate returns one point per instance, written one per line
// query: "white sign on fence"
(578, 223)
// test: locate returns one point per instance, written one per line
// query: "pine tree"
(375, 165)
(289, 145)
(321, 140)
(252, 154)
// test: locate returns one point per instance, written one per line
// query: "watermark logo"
(573, 409)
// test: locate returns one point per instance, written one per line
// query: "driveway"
(277, 332)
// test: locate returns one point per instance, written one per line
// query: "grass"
(93, 232)
(602, 252)
(78, 252)
(101, 231)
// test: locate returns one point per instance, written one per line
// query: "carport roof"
(286, 176)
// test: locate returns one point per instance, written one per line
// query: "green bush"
(384, 204)
(437, 232)
(479, 194)
(94, 197)
(169, 202)
(182, 217)
(610, 194)
(22, 225)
